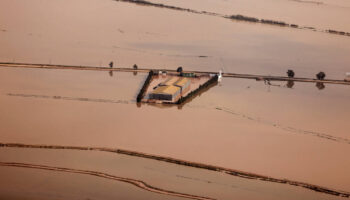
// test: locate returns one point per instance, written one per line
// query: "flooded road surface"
(294, 131)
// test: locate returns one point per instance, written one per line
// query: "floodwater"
(166, 176)
(95, 32)
(299, 133)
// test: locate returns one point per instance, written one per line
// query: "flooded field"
(200, 183)
(285, 131)
(100, 33)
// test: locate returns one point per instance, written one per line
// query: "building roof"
(170, 81)
(181, 82)
(168, 89)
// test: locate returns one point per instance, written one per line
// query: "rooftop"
(168, 89)
(181, 82)
(170, 81)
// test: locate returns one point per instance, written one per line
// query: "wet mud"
(232, 172)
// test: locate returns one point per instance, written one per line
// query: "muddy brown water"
(226, 126)
(299, 133)
(99, 33)
(163, 175)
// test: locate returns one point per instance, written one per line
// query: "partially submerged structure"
(171, 89)
(183, 84)
(166, 92)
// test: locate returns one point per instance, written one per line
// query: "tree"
(290, 73)
(320, 75)
(111, 64)
(179, 69)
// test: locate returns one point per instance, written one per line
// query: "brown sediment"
(147, 70)
(237, 17)
(233, 172)
(138, 183)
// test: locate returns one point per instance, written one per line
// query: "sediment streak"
(137, 183)
(189, 164)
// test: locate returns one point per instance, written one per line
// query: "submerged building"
(166, 92)
(169, 81)
(171, 89)
(183, 84)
